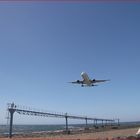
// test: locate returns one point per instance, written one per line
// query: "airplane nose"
(82, 73)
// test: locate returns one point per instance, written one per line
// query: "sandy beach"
(86, 136)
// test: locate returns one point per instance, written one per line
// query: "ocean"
(21, 129)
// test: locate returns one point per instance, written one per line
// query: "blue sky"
(45, 45)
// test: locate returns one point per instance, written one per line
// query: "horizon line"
(76, 1)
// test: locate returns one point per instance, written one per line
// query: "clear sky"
(43, 46)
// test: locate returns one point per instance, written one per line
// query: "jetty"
(12, 108)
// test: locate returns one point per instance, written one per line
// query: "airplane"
(86, 81)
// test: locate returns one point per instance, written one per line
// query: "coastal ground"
(85, 136)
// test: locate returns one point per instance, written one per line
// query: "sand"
(87, 136)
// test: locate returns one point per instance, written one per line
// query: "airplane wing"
(77, 82)
(98, 81)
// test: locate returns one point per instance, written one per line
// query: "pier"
(12, 108)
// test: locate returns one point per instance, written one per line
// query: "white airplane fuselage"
(86, 79)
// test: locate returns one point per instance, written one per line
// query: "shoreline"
(87, 134)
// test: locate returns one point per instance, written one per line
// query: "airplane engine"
(78, 81)
(93, 80)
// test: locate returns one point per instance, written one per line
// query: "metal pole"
(86, 128)
(102, 124)
(94, 123)
(106, 122)
(66, 117)
(86, 121)
(11, 121)
(11, 110)
(118, 122)
(111, 123)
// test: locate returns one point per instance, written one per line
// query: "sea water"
(21, 129)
